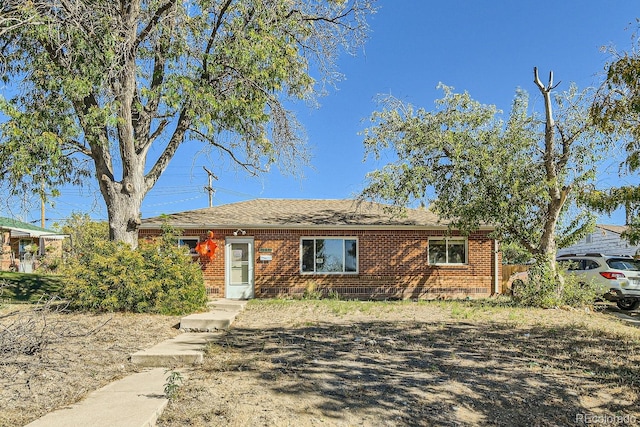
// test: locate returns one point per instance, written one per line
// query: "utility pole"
(210, 188)
(42, 216)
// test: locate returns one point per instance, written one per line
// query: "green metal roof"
(25, 227)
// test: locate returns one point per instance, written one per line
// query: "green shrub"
(83, 232)
(158, 277)
(578, 294)
(542, 289)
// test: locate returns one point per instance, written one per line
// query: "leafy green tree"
(113, 88)
(518, 175)
(616, 110)
(83, 232)
(512, 253)
(609, 200)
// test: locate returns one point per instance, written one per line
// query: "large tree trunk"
(124, 217)
(124, 198)
(557, 193)
(548, 247)
(124, 201)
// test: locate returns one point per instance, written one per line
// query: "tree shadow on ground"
(447, 374)
(23, 287)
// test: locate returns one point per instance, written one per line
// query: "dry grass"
(67, 355)
(309, 363)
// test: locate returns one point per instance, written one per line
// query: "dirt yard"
(332, 363)
(50, 358)
(414, 364)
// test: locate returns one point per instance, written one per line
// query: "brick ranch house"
(17, 236)
(282, 247)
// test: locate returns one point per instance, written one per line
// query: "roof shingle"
(294, 213)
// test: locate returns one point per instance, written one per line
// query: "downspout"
(496, 279)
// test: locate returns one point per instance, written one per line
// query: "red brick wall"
(5, 251)
(392, 264)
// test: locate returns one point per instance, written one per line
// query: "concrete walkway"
(198, 329)
(134, 401)
(138, 400)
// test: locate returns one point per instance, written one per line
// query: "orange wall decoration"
(207, 248)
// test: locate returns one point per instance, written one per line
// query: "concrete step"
(210, 321)
(198, 329)
(134, 401)
(227, 304)
(183, 350)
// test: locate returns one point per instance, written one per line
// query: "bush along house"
(283, 247)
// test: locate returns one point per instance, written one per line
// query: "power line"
(174, 201)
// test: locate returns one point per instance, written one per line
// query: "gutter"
(496, 279)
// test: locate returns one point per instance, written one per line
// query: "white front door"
(239, 268)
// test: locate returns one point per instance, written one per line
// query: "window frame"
(344, 264)
(458, 239)
(192, 251)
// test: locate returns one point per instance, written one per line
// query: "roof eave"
(23, 232)
(309, 227)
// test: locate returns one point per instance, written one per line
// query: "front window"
(448, 251)
(189, 242)
(329, 255)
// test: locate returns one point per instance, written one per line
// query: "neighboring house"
(19, 239)
(282, 247)
(605, 239)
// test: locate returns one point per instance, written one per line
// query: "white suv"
(617, 276)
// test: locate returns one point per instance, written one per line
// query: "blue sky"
(488, 48)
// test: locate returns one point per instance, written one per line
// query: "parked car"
(618, 277)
